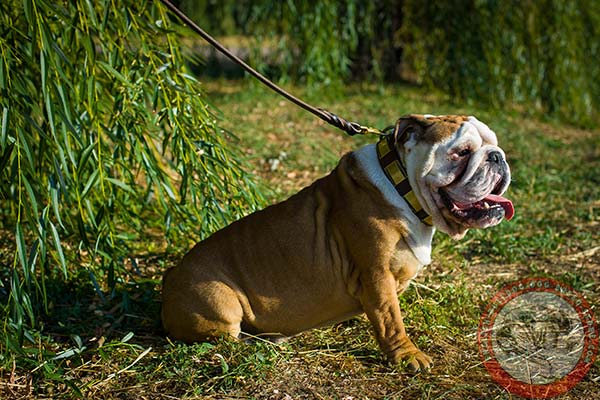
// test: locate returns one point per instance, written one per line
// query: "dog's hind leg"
(200, 312)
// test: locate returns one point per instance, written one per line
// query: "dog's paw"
(416, 362)
(409, 358)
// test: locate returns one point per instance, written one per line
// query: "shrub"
(540, 55)
(104, 137)
(535, 53)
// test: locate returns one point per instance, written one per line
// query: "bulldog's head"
(457, 171)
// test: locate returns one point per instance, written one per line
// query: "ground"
(114, 348)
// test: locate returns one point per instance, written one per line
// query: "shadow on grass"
(78, 311)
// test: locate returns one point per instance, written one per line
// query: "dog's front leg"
(380, 303)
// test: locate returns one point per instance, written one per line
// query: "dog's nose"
(495, 157)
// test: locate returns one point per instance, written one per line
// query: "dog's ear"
(407, 125)
(428, 128)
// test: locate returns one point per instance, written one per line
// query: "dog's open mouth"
(492, 206)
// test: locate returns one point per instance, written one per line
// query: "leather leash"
(388, 158)
(351, 128)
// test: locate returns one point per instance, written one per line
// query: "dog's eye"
(464, 153)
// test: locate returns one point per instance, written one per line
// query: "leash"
(351, 128)
(388, 158)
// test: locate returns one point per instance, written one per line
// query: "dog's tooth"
(486, 205)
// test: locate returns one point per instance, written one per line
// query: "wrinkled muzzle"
(474, 199)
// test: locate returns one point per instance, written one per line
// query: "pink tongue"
(505, 203)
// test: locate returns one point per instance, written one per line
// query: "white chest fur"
(420, 235)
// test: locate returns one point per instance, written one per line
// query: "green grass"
(86, 348)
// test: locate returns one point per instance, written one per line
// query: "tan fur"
(332, 251)
(433, 129)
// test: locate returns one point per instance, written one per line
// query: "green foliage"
(533, 53)
(105, 138)
(537, 53)
(219, 17)
(314, 41)
(319, 43)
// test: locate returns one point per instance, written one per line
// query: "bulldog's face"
(459, 172)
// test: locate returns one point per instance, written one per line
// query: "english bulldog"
(348, 244)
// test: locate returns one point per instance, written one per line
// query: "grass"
(114, 348)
